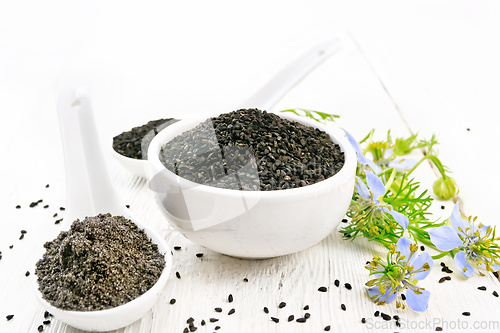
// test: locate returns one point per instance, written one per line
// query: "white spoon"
(265, 98)
(90, 192)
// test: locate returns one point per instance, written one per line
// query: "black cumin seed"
(128, 206)
(62, 208)
(217, 328)
(33, 204)
(220, 310)
(481, 288)
(307, 315)
(403, 297)
(190, 320)
(398, 324)
(266, 310)
(441, 280)
(46, 206)
(47, 186)
(57, 221)
(54, 215)
(337, 283)
(344, 220)
(41, 200)
(21, 237)
(395, 317)
(177, 248)
(192, 328)
(40, 328)
(439, 329)
(230, 298)
(186, 330)
(23, 231)
(290, 317)
(301, 320)
(448, 278)
(199, 255)
(203, 322)
(322, 289)
(468, 129)
(348, 286)
(276, 320)
(327, 328)
(495, 293)
(466, 313)
(282, 305)
(422, 248)
(9, 317)
(385, 316)
(442, 264)
(191, 324)
(363, 320)
(442, 207)
(46, 314)
(376, 313)
(231, 312)
(11, 246)
(46, 322)
(178, 275)
(342, 306)
(172, 301)
(306, 307)
(213, 320)
(245, 280)
(18, 207)
(27, 273)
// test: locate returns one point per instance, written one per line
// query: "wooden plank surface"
(359, 83)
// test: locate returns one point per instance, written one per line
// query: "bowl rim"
(157, 288)
(337, 135)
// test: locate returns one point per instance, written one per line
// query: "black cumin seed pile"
(252, 150)
(100, 263)
(130, 143)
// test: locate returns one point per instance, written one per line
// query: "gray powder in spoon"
(101, 262)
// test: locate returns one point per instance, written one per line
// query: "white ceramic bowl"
(252, 224)
(120, 316)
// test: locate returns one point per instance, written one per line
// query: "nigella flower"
(370, 208)
(383, 156)
(471, 245)
(400, 273)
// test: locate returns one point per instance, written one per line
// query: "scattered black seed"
(46, 206)
(58, 221)
(285, 154)
(33, 204)
(306, 307)
(203, 322)
(199, 255)
(217, 328)
(266, 310)
(230, 298)
(62, 208)
(130, 143)
(46, 186)
(307, 315)
(177, 248)
(344, 221)
(21, 237)
(231, 312)
(342, 306)
(282, 305)
(448, 278)
(398, 324)
(322, 289)
(128, 206)
(422, 248)
(186, 330)
(291, 317)
(403, 297)
(11, 246)
(395, 317)
(102, 245)
(468, 129)
(376, 313)
(41, 200)
(495, 293)
(301, 320)
(327, 328)
(40, 328)
(443, 207)
(54, 215)
(442, 264)
(466, 313)
(192, 328)
(441, 280)
(213, 320)
(220, 310)
(23, 231)
(18, 207)
(9, 317)
(276, 320)
(189, 320)
(46, 314)
(385, 316)
(178, 275)
(348, 286)
(172, 301)
(482, 288)
(46, 322)
(439, 329)
(363, 320)
(245, 280)
(27, 273)
(337, 283)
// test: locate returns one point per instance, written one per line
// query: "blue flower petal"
(400, 218)
(403, 247)
(418, 262)
(388, 153)
(482, 231)
(402, 164)
(445, 238)
(362, 158)
(461, 263)
(375, 184)
(375, 292)
(361, 188)
(418, 302)
(457, 221)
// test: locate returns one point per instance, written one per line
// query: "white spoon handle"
(88, 185)
(270, 94)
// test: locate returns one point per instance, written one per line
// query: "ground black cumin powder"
(100, 263)
(253, 150)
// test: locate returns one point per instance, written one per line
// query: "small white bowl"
(252, 224)
(120, 316)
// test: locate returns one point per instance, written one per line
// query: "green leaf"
(323, 116)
